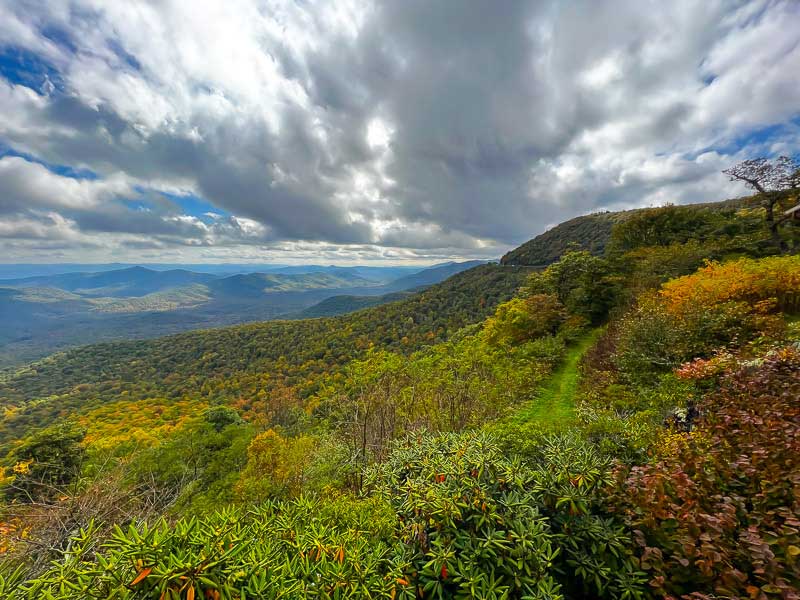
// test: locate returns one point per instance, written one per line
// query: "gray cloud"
(358, 128)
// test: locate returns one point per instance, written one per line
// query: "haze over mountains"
(24, 270)
(49, 310)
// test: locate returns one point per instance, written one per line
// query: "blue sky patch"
(125, 56)
(757, 139)
(23, 67)
(760, 137)
(63, 170)
(60, 37)
(194, 205)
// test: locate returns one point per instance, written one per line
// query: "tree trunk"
(773, 224)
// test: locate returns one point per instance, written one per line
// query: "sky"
(353, 131)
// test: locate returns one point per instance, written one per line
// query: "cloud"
(45, 226)
(25, 185)
(363, 129)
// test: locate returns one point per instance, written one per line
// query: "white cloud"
(383, 128)
(25, 184)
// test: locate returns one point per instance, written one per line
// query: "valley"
(47, 313)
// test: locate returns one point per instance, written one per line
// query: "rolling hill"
(341, 305)
(593, 232)
(47, 313)
(430, 276)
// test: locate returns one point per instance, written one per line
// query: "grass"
(554, 404)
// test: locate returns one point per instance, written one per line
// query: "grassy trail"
(555, 401)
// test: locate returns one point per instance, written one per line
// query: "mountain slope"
(430, 276)
(593, 232)
(206, 363)
(588, 232)
(258, 284)
(375, 274)
(341, 305)
(391, 292)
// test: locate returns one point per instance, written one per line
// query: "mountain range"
(52, 311)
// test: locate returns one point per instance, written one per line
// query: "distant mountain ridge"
(432, 275)
(132, 281)
(45, 313)
(342, 305)
(378, 273)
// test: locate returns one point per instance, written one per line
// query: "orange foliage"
(269, 406)
(11, 532)
(747, 280)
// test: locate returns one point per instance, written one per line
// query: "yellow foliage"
(671, 443)
(23, 467)
(749, 280)
(138, 422)
(275, 466)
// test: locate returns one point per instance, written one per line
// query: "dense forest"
(611, 412)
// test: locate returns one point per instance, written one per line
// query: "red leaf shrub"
(721, 515)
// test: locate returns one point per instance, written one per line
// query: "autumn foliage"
(401, 451)
(720, 516)
(775, 278)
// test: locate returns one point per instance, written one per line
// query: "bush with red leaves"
(719, 515)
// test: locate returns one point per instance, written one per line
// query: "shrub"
(470, 527)
(744, 280)
(720, 306)
(47, 463)
(596, 558)
(719, 512)
(299, 549)
(478, 524)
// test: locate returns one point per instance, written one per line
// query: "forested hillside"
(588, 232)
(620, 423)
(246, 361)
(341, 305)
(46, 313)
(593, 233)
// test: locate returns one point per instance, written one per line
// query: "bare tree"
(37, 529)
(769, 178)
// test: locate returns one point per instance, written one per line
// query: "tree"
(52, 459)
(769, 178)
(579, 281)
(523, 319)
(222, 416)
(275, 466)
